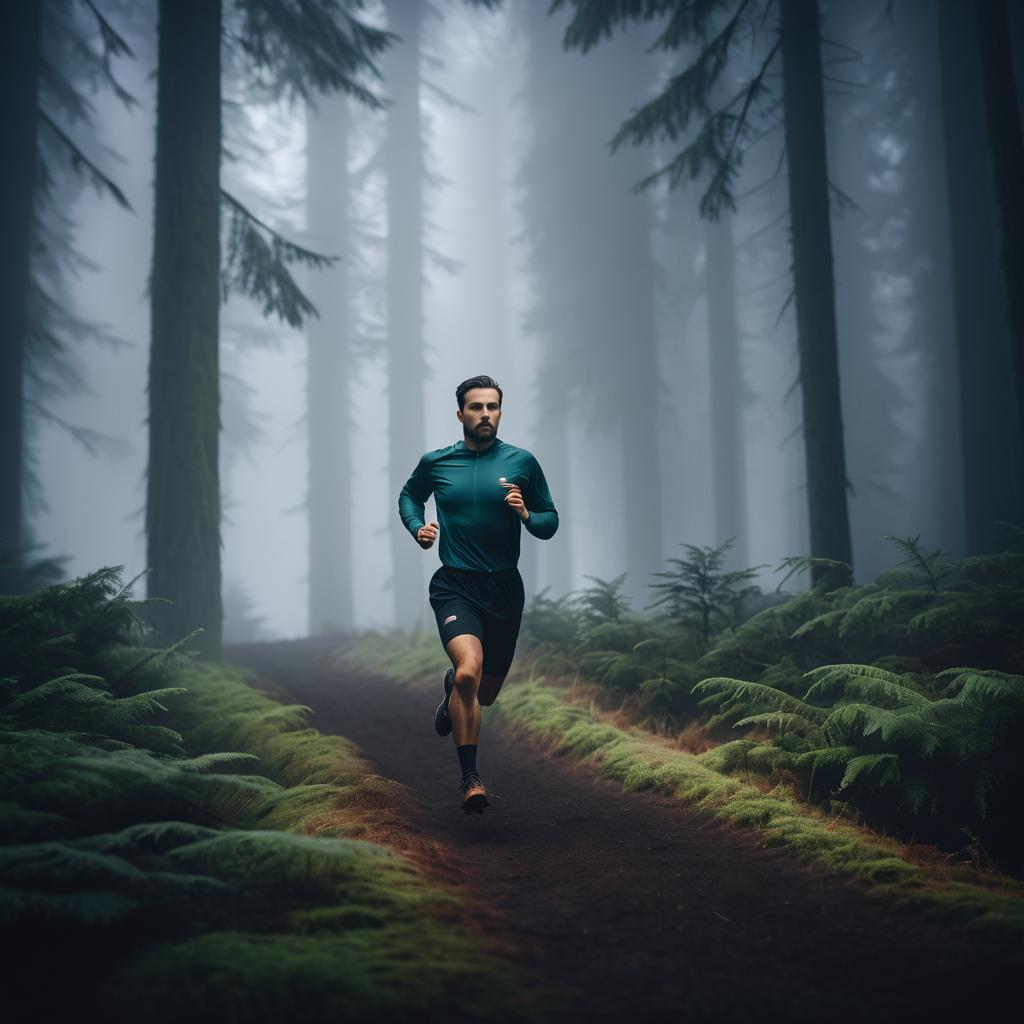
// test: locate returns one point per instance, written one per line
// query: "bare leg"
(464, 708)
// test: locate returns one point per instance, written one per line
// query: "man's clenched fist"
(426, 535)
(514, 499)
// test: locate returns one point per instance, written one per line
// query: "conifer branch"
(308, 46)
(79, 160)
(259, 269)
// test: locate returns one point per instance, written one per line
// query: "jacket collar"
(460, 446)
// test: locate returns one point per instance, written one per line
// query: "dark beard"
(480, 437)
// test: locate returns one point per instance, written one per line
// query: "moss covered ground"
(176, 844)
(973, 895)
(345, 926)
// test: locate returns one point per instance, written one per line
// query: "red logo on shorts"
(451, 618)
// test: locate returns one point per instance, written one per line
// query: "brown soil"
(638, 907)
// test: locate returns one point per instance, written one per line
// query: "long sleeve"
(413, 496)
(543, 520)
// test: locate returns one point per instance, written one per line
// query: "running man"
(485, 490)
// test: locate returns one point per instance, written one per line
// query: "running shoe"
(474, 796)
(442, 723)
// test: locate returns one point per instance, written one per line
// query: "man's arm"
(413, 496)
(543, 518)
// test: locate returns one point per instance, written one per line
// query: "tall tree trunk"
(937, 503)
(992, 469)
(623, 336)
(327, 386)
(804, 101)
(19, 59)
(1006, 139)
(183, 486)
(638, 378)
(557, 551)
(728, 460)
(406, 369)
(592, 304)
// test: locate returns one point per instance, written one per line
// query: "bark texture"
(726, 392)
(406, 367)
(814, 292)
(183, 485)
(19, 120)
(992, 454)
(1006, 142)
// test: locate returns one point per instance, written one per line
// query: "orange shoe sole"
(475, 800)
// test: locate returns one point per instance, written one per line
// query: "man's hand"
(426, 535)
(514, 499)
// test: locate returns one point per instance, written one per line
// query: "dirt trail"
(646, 911)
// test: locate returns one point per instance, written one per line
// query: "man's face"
(480, 414)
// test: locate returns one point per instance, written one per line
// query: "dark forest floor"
(637, 906)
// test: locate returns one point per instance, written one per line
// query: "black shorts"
(487, 604)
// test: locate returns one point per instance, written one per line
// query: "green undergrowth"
(900, 699)
(321, 784)
(984, 899)
(175, 844)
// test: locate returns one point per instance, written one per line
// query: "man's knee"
(467, 677)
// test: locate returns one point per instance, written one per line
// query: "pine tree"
(814, 289)
(292, 48)
(403, 161)
(717, 149)
(726, 389)
(993, 484)
(49, 56)
(698, 590)
(19, 58)
(891, 230)
(1006, 141)
(183, 489)
(593, 272)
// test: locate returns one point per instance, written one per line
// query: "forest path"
(642, 908)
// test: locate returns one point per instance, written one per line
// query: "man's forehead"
(481, 395)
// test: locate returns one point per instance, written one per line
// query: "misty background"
(648, 356)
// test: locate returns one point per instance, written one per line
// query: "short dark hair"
(475, 382)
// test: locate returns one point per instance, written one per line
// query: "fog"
(604, 313)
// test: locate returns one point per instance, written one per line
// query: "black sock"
(467, 758)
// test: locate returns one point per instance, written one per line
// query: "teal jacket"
(477, 529)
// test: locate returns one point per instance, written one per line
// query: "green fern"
(872, 771)
(877, 623)
(884, 742)
(986, 685)
(862, 682)
(900, 728)
(1002, 570)
(73, 703)
(759, 695)
(765, 638)
(955, 616)
(821, 630)
(782, 722)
